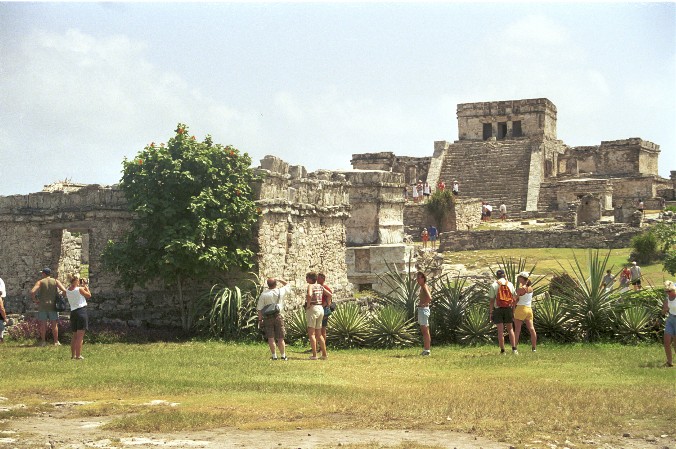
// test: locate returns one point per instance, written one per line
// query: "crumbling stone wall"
(602, 236)
(413, 169)
(464, 215)
(627, 157)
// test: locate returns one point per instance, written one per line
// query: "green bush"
(644, 248)
(348, 326)
(475, 328)
(551, 320)
(402, 288)
(296, 327)
(390, 328)
(633, 324)
(450, 300)
(669, 262)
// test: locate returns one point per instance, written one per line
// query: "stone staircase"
(491, 172)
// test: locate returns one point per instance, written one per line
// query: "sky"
(84, 85)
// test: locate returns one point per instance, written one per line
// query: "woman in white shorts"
(524, 311)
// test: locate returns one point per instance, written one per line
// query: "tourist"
(524, 311)
(501, 296)
(405, 194)
(314, 312)
(78, 293)
(415, 193)
(669, 309)
(432, 231)
(419, 187)
(424, 235)
(426, 191)
(441, 186)
(456, 187)
(625, 278)
(327, 301)
(503, 212)
(270, 309)
(641, 208)
(3, 314)
(489, 210)
(44, 293)
(635, 271)
(483, 211)
(424, 302)
(608, 281)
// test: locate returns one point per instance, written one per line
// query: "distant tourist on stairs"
(456, 187)
(503, 212)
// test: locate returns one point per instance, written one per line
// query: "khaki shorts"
(523, 313)
(274, 327)
(314, 315)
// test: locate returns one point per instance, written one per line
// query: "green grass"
(560, 392)
(550, 260)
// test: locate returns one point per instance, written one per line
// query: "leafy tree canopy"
(194, 211)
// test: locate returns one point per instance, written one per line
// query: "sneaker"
(503, 352)
(324, 357)
(285, 358)
(274, 358)
(515, 352)
(313, 357)
(425, 352)
(79, 358)
(534, 350)
(57, 344)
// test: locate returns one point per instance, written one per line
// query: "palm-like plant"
(402, 287)
(296, 326)
(390, 328)
(551, 319)
(633, 324)
(588, 304)
(512, 268)
(451, 299)
(230, 312)
(475, 328)
(349, 326)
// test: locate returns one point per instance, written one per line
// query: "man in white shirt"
(635, 276)
(271, 317)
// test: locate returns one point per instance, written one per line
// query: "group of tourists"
(422, 190)
(429, 234)
(630, 277)
(318, 307)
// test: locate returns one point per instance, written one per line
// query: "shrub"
(402, 287)
(669, 262)
(633, 324)
(296, 327)
(348, 326)
(551, 320)
(644, 248)
(475, 328)
(28, 331)
(389, 328)
(450, 300)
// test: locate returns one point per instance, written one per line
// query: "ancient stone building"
(508, 152)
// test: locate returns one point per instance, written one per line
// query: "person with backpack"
(314, 313)
(270, 308)
(501, 313)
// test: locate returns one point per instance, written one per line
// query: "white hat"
(524, 274)
(669, 286)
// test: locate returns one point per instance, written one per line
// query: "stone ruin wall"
(602, 237)
(413, 169)
(302, 227)
(464, 215)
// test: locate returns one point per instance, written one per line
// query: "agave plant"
(296, 326)
(633, 324)
(451, 299)
(475, 328)
(349, 326)
(588, 304)
(551, 319)
(390, 328)
(402, 288)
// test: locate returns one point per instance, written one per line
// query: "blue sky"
(82, 85)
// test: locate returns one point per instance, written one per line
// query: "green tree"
(194, 215)
(439, 206)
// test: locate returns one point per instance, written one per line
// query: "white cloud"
(81, 103)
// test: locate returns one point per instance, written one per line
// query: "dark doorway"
(502, 130)
(516, 129)
(488, 131)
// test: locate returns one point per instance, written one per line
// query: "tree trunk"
(181, 304)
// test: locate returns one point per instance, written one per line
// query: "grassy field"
(550, 260)
(572, 392)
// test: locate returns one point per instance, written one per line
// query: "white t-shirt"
(525, 299)
(3, 293)
(75, 298)
(489, 208)
(273, 296)
(672, 305)
(503, 208)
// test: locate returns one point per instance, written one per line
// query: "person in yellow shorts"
(524, 312)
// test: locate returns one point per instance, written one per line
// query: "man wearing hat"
(501, 296)
(44, 294)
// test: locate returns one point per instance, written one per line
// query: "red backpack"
(504, 297)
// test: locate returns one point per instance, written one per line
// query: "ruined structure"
(508, 152)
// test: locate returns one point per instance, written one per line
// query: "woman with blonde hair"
(524, 311)
(669, 309)
(78, 293)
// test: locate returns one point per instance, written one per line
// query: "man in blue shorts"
(432, 231)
